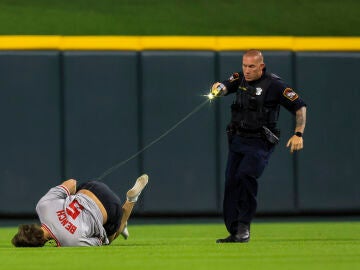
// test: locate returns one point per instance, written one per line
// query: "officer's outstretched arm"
(296, 141)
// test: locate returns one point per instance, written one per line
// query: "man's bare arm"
(300, 120)
(295, 142)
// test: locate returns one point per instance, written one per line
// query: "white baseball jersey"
(72, 220)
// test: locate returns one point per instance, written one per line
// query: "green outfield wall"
(74, 109)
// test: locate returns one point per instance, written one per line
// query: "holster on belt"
(270, 136)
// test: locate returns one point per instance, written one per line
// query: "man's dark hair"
(29, 235)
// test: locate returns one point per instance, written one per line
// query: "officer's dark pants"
(246, 162)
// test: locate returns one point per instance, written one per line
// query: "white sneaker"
(133, 194)
(125, 232)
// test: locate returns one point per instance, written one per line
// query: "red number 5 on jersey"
(74, 209)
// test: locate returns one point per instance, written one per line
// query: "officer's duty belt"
(249, 134)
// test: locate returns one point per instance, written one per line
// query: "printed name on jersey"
(71, 228)
(290, 94)
(234, 77)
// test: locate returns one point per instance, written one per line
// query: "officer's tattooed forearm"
(301, 117)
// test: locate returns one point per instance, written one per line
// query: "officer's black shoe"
(229, 239)
(242, 236)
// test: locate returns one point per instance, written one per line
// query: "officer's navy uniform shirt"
(278, 92)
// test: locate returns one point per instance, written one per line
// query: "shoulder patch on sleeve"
(290, 94)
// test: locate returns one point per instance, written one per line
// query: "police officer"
(252, 136)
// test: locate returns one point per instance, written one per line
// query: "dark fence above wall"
(75, 114)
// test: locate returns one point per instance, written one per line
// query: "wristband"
(298, 133)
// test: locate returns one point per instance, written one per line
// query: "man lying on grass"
(88, 215)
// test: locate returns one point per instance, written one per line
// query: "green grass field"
(180, 17)
(274, 245)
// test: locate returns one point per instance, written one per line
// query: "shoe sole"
(221, 241)
(140, 184)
